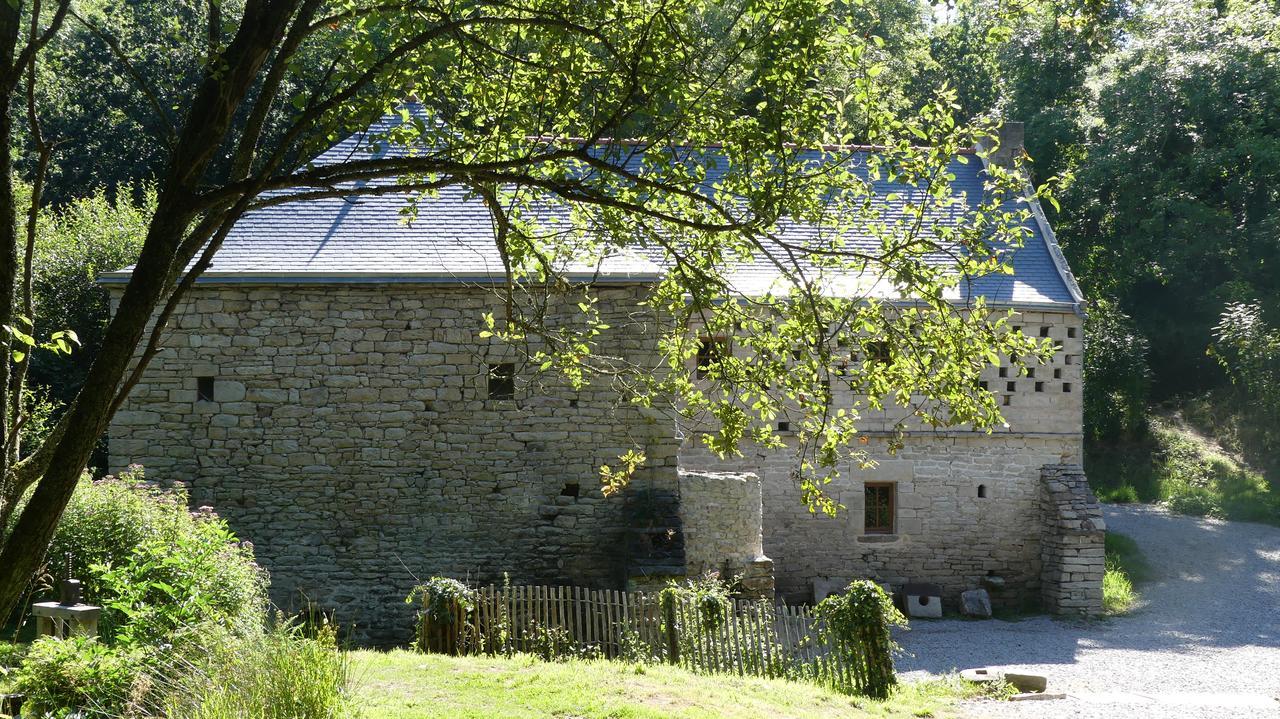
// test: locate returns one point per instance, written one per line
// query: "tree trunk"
(208, 122)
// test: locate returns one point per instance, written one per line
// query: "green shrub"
(1195, 501)
(11, 654)
(153, 566)
(857, 622)
(1124, 494)
(61, 676)
(264, 674)
(1117, 379)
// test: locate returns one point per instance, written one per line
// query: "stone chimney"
(1008, 145)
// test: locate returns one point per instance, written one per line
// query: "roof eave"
(382, 278)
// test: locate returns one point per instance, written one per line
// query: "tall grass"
(273, 674)
(1125, 566)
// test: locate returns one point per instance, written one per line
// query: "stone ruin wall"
(721, 516)
(1073, 550)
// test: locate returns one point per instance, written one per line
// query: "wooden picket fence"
(743, 637)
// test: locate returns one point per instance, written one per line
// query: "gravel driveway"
(1204, 643)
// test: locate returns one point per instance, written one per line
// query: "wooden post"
(673, 641)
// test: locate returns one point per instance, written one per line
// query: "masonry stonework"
(721, 516)
(1073, 552)
(968, 504)
(350, 437)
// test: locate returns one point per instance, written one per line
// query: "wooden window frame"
(871, 525)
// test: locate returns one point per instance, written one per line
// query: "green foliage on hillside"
(1186, 470)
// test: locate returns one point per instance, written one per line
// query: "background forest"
(1160, 121)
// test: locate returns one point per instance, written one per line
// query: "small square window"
(1071, 332)
(878, 512)
(982, 385)
(784, 426)
(1039, 386)
(878, 352)
(204, 389)
(1017, 328)
(1057, 374)
(1004, 371)
(1011, 387)
(1031, 372)
(1008, 400)
(1069, 359)
(710, 351)
(1066, 386)
(1044, 331)
(502, 381)
(572, 489)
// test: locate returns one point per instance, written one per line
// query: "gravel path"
(1204, 643)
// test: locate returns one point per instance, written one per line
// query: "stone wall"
(968, 503)
(721, 522)
(1072, 548)
(945, 532)
(350, 435)
(350, 438)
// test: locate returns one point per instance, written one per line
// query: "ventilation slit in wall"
(1066, 386)
(784, 426)
(1039, 386)
(502, 381)
(1011, 386)
(1044, 331)
(570, 490)
(204, 389)
(982, 491)
(1071, 332)
(1057, 374)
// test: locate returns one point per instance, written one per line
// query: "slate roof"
(451, 240)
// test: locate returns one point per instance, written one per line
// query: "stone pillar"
(1071, 543)
(720, 515)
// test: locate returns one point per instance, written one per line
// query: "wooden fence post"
(669, 616)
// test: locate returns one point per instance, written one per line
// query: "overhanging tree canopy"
(526, 102)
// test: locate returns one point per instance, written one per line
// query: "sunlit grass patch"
(407, 685)
(1125, 566)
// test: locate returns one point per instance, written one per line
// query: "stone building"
(325, 388)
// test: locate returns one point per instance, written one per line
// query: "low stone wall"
(1072, 548)
(720, 516)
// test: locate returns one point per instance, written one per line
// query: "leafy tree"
(519, 103)
(74, 244)
(1174, 207)
(1116, 373)
(1249, 350)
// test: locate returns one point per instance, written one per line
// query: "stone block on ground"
(923, 600)
(976, 603)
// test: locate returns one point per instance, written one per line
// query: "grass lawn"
(404, 685)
